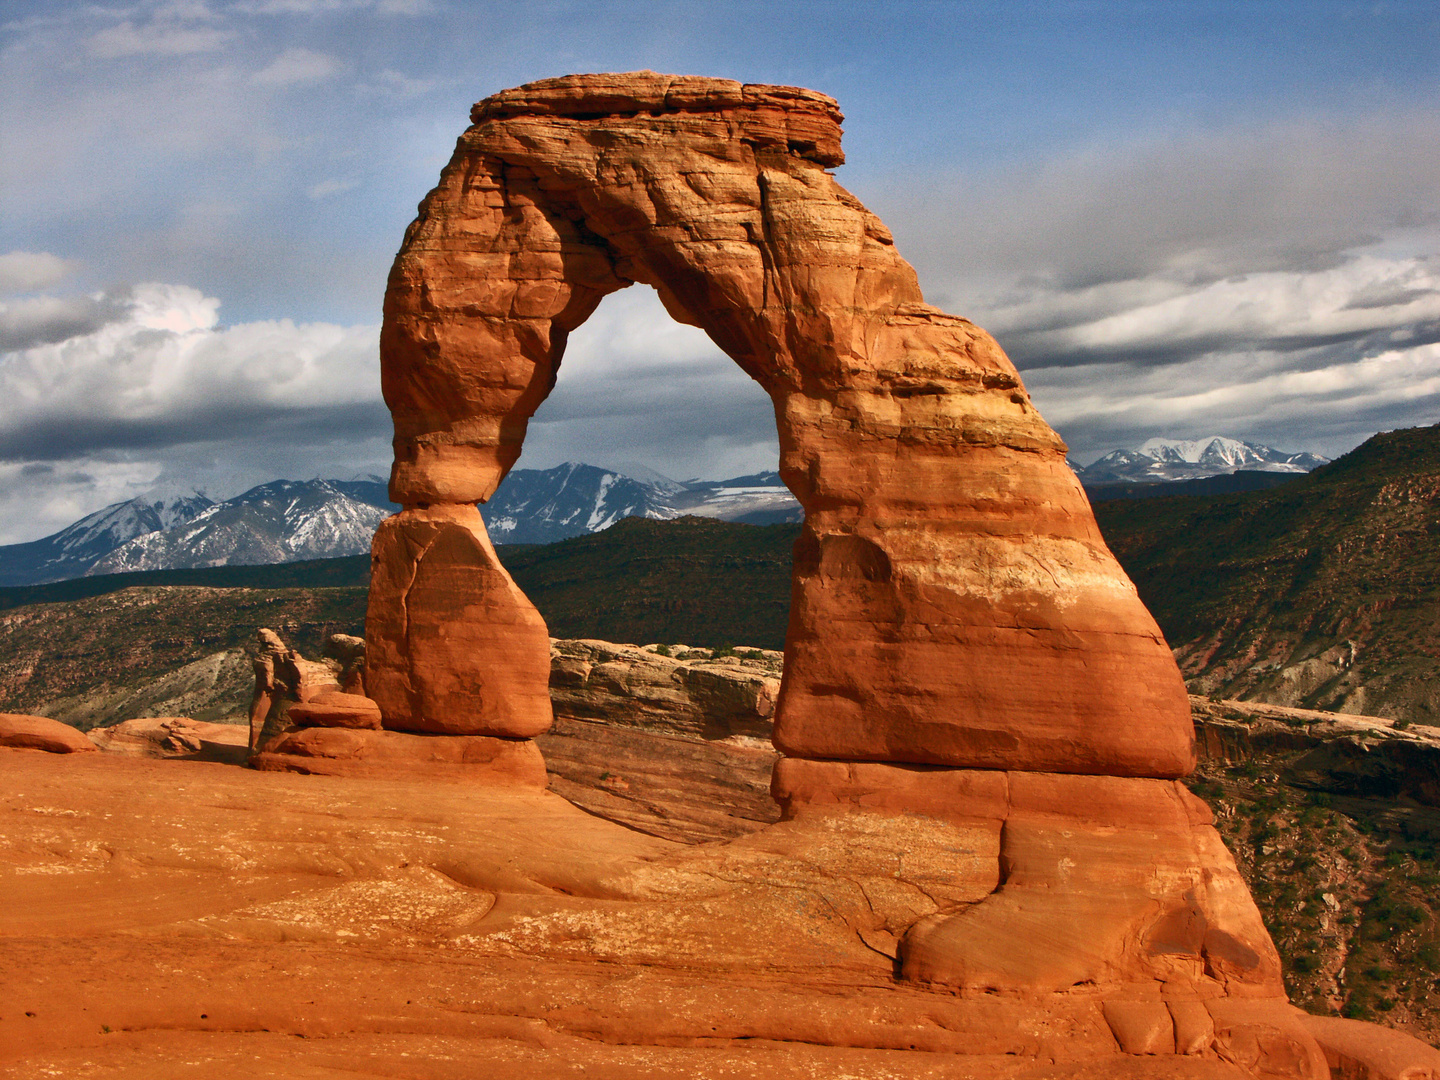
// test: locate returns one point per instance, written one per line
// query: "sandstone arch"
(964, 656)
(953, 602)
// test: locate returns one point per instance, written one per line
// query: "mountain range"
(293, 520)
(1192, 459)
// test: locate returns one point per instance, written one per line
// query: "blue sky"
(1179, 218)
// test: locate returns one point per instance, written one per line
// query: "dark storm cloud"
(61, 438)
(44, 320)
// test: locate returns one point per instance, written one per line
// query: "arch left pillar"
(453, 645)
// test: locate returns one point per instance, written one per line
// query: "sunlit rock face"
(954, 603)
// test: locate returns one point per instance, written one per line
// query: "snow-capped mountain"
(1191, 459)
(758, 499)
(283, 521)
(540, 506)
(291, 520)
(73, 550)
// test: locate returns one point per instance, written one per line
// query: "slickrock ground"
(186, 919)
(223, 922)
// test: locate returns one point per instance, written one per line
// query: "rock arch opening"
(641, 394)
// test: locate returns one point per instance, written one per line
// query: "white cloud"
(326, 7)
(395, 84)
(158, 38)
(43, 498)
(636, 386)
(162, 372)
(297, 65)
(1362, 296)
(330, 187)
(26, 271)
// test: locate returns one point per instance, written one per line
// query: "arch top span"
(953, 601)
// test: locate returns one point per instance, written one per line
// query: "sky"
(1178, 218)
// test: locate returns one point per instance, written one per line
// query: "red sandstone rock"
(1357, 1049)
(452, 644)
(282, 678)
(1097, 880)
(336, 711)
(22, 732)
(174, 736)
(231, 921)
(954, 602)
(340, 751)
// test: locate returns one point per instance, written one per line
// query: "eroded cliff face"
(954, 603)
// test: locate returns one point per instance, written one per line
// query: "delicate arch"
(953, 601)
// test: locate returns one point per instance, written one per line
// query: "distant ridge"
(1321, 593)
(297, 520)
(1162, 459)
(1221, 484)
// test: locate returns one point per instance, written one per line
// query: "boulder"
(336, 711)
(21, 732)
(335, 751)
(1355, 1049)
(452, 644)
(173, 737)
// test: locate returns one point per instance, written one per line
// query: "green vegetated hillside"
(153, 650)
(695, 581)
(1323, 593)
(1347, 888)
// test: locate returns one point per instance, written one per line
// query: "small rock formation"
(962, 645)
(22, 732)
(301, 720)
(692, 692)
(348, 651)
(173, 737)
(283, 678)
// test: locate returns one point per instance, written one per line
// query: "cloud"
(26, 271)
(1294, 194)
(1250, 281)
(297, 65)
(393, 84)
(1364, 300)
(635, 385)
(44, 320)
(330, 187)
(327, 7)
(161, 372)
(41, 499)
(169, 32)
